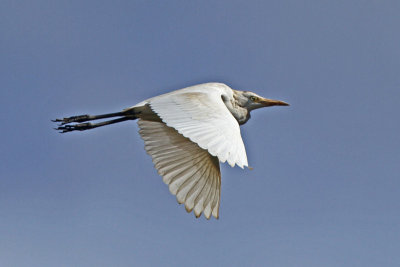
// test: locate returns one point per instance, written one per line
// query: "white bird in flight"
(187, 133)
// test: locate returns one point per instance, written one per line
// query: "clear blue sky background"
(325, 189)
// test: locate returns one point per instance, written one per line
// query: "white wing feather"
(193, 175)
(199, 114)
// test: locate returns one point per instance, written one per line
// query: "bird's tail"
(80, 122)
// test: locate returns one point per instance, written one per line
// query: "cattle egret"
(187, 133)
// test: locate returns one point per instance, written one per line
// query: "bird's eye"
(253, 98)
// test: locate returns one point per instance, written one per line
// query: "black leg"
(87, 126)
(83, 118)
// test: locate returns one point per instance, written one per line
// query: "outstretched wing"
(202, 116)
(192, 174)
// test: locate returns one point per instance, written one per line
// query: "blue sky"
(325, 189)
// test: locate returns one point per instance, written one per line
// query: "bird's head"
(250, 100)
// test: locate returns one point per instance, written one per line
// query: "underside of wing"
(199, 114)
(191, 173)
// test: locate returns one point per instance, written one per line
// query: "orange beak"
(270, 102)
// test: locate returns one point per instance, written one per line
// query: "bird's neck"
(242, 115)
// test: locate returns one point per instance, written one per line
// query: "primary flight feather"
(187, 133)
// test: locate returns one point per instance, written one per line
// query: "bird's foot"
(79, 118)
(74, 127)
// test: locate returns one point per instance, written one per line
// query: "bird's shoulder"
(203, 90)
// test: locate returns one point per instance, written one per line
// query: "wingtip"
(188, 209)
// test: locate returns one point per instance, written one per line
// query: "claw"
(76, 127)
(79, 118)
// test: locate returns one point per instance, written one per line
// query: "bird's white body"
(195, 132)
(187, 133)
